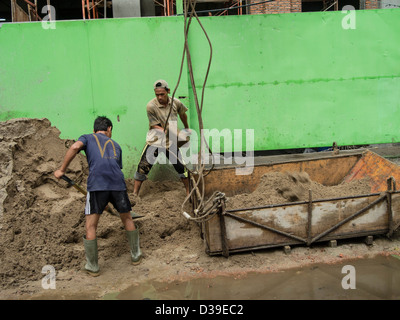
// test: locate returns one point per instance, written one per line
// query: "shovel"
(83, 191)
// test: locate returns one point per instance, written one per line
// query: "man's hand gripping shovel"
(83, 191)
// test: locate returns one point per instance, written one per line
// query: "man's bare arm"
(184, 120)
(69, 156)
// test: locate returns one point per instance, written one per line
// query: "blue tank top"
(104, 157)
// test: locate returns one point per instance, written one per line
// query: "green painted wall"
(82, 69)
(298, 80)
(302, 80)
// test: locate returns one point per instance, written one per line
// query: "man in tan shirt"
(162, 135)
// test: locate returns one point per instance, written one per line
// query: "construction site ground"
(42, 224)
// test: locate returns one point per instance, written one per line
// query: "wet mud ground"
(374, 279)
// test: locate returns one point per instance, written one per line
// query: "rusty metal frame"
(167, 5)
(387, 196)
(32, 8)
(237, 3)
(91, 5)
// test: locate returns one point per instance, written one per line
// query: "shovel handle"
(64, 177)
(74, 184)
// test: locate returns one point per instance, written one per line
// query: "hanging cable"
(203, 210)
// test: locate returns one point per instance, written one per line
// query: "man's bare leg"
(186, 184)
(90, 244)
(92, 221)
(136, 187)
(127, 221)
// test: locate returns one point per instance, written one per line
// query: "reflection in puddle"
(377, 278)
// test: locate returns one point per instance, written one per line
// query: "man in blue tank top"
(106, 183)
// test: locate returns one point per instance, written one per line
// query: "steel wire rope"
(171, 102)
(217, 196)
(200, 166)
(200, 193)
(202, 212)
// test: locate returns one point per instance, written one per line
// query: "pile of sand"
(279, 188)
(41, 218)
(38, 213)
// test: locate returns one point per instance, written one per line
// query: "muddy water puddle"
(372, 278)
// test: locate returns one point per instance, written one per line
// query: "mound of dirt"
(38, 214)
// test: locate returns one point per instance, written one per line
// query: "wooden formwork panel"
(274, 226)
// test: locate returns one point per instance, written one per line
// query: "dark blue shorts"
(96, 201)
